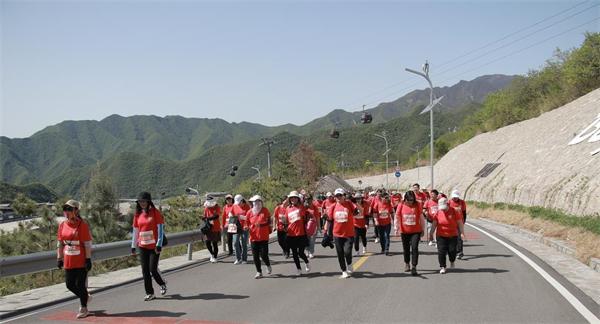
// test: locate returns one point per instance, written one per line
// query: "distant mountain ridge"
(58, 153)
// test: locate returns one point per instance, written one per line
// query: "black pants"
(149, 260)
(213, 248)
(411, 242)
(360, 233)
(343, 247)
(281, 236)
(446, 245)
(459, 244)
(297, 244)
(260, 250)
(76, 280)
(229, 243)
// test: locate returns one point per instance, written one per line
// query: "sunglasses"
(339, 195)
(68, 209)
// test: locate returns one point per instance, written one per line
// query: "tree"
(23, 206)
(308, 164)
(582, 68)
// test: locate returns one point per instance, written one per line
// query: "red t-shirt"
(396, 199)
(460, 206)
(374, 202)
(409, 218)
(295, 217)
(260, 225)
(318, 205)
(447, 222)
(384, 211)
(147, 225)
(240, 211)
(210, 212)
(73, 237)
(431, 207)
(421, 197)
(279, 214)
(363, 209)
(226, 210)
(328, 205)
(315, 210)
(342, 216)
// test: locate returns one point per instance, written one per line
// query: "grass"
(16, 284)
(581, 232)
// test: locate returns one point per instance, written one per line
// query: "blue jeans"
(384, 236)
(311, 244)
(240, 242)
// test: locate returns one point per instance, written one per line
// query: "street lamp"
(387, 151)
(268, 142)
(429, 109)
(418, 150)
(257, 170)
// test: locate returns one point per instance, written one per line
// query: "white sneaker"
(451, 265)
(163, 289)
(307, 268)
(298, 272)
(310, 256)
(364, 250)
(83, 312)
(149, 297)
(345, 275)
(237, 262)
(376, 240)
(442, 270)
(258, 275)
(430, 243)
(349, 269)
(269, 269)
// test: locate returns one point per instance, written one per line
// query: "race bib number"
(147, 238)
(409, 219)
(384, 214)
(242, 217)
(341, 216)
(294, 216)
(232, 228)
(433, 210)
(72, 248)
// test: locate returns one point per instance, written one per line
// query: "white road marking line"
(586, 313)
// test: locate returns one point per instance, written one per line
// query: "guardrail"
(44, 261)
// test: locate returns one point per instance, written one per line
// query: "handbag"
(165, 241)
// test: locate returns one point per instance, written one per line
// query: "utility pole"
(268, 142)
(386, 153)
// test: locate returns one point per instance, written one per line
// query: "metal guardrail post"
(189, 251)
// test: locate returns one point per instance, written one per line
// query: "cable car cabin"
(366, 118)
(334, 133)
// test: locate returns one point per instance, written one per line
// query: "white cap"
(294, 194)
(238, 199)
(371, 193)
(339, 191)
(255, 198)
(328, 194)
(455, 194)
(443, 203)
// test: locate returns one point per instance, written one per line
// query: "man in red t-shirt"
(421, 196)
(342, 218)
(430, 208)
(448, 224)
(360, 224)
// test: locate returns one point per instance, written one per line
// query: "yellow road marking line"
(361, 261)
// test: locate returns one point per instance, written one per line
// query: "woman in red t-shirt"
(383, 214)
(448, 222)
(280, 224)
(341, 223)
(212, 211)
(296, 238)
(410, 222)
(148, 235)
(74, 253)
(259, 223)
(360, 224)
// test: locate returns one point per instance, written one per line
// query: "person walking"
(360, 225)
(448, 223)
(74, 254)
(340, 222)
(296, 238)
(228, 212)
(313, 216)
(148, 235)
(280, 224)
(410, 222)
(430, 208)
(460, 207)
(212, 211)
(383, 222)
(259, 223)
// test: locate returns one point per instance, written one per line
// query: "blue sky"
(270, 62)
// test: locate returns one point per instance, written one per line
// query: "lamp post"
(268, 142)
(429, 108)
(257, 170)
(387, 151)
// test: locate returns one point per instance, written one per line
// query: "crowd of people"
(342, 218)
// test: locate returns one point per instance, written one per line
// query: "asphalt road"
(491, 284)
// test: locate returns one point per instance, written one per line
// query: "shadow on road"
(479, 256)
(144, 313)
(206, 296)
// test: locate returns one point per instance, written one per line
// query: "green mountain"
(35, 191)
(193, 149)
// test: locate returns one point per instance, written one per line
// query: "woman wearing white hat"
(341, 224)
(74, 253)
(212, 211)
(296, 238)
(460, 207)
(448, 222)
(259, 222)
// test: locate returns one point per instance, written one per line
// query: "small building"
(332, 182)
